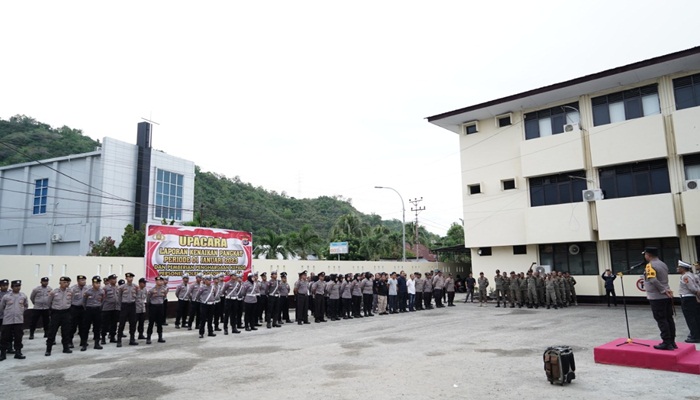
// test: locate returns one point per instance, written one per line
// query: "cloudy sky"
(314, 97)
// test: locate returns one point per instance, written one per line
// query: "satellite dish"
(574, 249)
(540, 269)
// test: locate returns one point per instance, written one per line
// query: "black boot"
(269, 325)
(234, 330)
(11, 350)
(133, 342)
(31, 335)
(119, 343)
(19, 355)
(48, 351)
(83, 346)
(160, 338)
(148, 339)
(226, 330)
(141, 337)
(67, 350)
(97, 345)
(498, 305)
(3, 355)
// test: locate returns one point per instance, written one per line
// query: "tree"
(304, 242)
(271, 245)
(103, 248)
(133, 243)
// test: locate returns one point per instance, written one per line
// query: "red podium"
(684, 359)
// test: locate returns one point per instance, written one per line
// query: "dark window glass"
(474, 189)
(686, 91)
(521, 249)
(484, 251)
(470, 129)
(557, 117)
(557, 189)
(504, 121)
(509, 184)
(560, 258)
(633, 108)
(633, 105)
(626, 253)
(637, 179)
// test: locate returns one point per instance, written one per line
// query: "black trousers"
(76, 316)
(182, 312)
(206, 313)
(36, 315)
(333, 305)
(302, 309)
(110, 319)
(11, 333)
(356, 305)
(91, 317)
(347, 307)
(194, 314)
(155, 316)
(367, 303)
(450, 298)
(59, 319)
(319, 307)
(284, 308)
(262, 306)
(251, 316)
(691, 312)
(403, 296)
(128, 313)
(140, 322)
(219, 311)
(427, 299)
(165, 310)
(273, 309)
(662, 310)
(437, 293)
(609, 292)
(419, 300)
(238, 306)
(231, 313)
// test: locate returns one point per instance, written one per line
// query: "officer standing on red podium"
(660, 297)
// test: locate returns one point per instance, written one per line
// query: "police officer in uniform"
(60, 301)
(498, 281)
(141, 308)
(194, 306)
(12, 307)
(251, 292)
(284, 299)
(206, 299)
(4, 284)
(318, 289)
(40, 299)
(218, 284)
(689, 291)
(660, 297)
(262, 298)
(77, 310)
(231, 290)
(182, 292)
(93, 298)
(428, 291)
(301, 293)
(273, 295)
(438, 287)
(126, 295)
(420, 283)
(155, 298)
(110, 314)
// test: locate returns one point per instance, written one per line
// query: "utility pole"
(416, 209)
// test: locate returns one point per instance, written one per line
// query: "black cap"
(45, 279)
(80, 277)
(283, 274)
(113, 276)
(263, 274)
(64, 279)
(121, 282)
(302, 273)
(160, 278)
(96, 279)
(651, 250)
(16, 283)
(142, 280)
(129, 275)
(4, 282)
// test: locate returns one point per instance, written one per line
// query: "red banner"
(174, 250)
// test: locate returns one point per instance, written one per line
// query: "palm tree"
(304, 242)
(349, 225)
(377, 243)
(271, 245)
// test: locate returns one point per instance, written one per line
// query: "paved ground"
(458, 352)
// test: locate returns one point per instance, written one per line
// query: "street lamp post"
(403, 218)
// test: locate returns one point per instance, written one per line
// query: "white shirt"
(411, 285)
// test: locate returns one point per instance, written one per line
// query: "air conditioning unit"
(572, 127)
(692, 184)
(56, 238)
(592, 195)
(574, 249)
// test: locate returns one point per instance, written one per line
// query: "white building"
(58, 206)
(583, 174)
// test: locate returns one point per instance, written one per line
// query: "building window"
(691, 165)
(508, 184)
(636, 179)
(503, 120)
(520, 249)
(628, 104)
(626, 253)
(557, 189)
(686, 90)
(168, 195)
(550, 121)
(41, 191)
(471, 127)
(484, 251)
(575, 258)
(474, 189)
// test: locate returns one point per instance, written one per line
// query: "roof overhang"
(682, 61)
